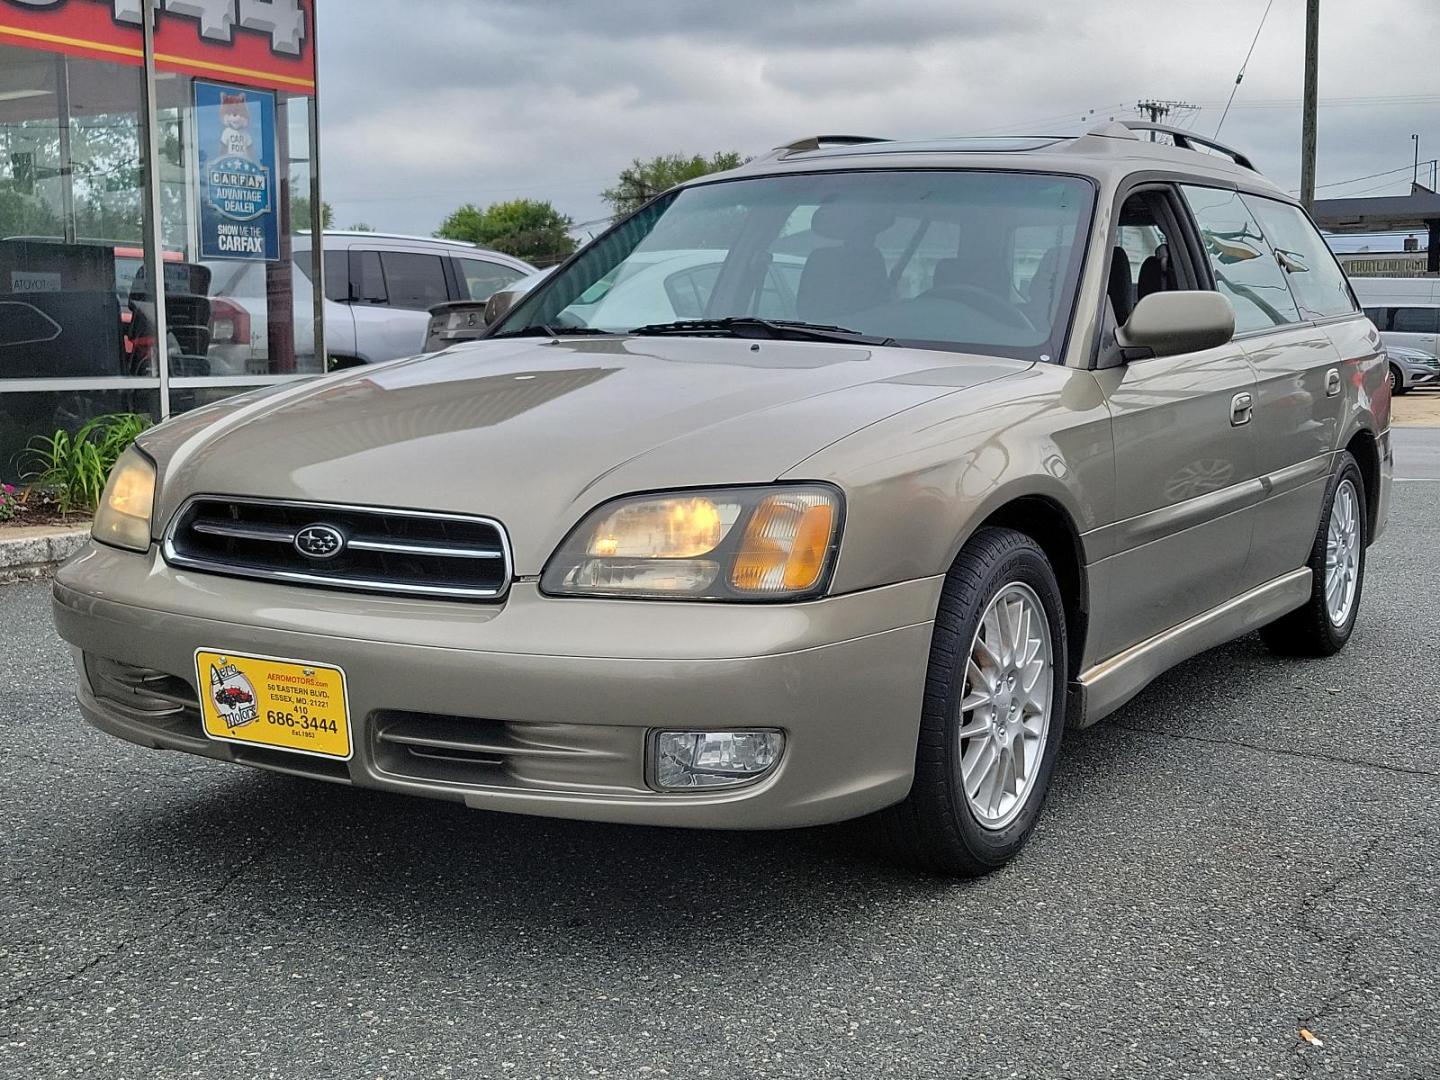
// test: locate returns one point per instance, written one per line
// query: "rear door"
(395, 290)
(1282, 287)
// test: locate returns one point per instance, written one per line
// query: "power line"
(1369, 176)
(1245, 64)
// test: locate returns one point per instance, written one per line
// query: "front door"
(1185, 467)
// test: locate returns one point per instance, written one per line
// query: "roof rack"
(1184, 140)
(816, 142)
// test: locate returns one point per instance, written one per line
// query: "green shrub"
(73, 469)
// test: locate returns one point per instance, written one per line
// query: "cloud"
(431, 103)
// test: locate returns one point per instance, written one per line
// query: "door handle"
(1242, 408)
(1332, 382)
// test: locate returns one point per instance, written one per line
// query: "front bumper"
(564, 692)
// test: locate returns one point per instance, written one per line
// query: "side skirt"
(1108, 685)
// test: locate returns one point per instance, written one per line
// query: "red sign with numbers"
(265, 43)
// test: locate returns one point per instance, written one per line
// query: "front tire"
(994, 712)
(1397, 382)
(1337, 564)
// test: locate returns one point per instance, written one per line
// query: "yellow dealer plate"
(283, 704)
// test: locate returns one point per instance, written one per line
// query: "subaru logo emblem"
(319, 542)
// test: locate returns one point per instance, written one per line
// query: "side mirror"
(1172, 323)
(499, 305)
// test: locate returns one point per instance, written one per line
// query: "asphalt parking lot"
(1246, 850)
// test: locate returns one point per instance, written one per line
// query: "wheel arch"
(1366, 452)
(1046, 521)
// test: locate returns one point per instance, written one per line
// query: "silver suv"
(841, 484)
(379, 290)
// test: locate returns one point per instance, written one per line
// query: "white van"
(1406, 311)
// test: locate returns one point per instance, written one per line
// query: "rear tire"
(994, 711)
(1337, 563)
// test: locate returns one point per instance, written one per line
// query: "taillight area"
(229, 323)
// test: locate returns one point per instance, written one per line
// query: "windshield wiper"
(747, 326)
(545, 330)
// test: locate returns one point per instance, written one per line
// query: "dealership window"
(79, 313)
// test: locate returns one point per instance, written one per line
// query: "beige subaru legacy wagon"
(838, 485)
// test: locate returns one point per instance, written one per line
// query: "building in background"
(228, 89)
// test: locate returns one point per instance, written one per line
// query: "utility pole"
(1157, 109)
(1415, 176)
(1312, 102)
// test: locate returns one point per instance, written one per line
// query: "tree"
(301, 219)
(360, 226)
(643, 180)
(530, 229)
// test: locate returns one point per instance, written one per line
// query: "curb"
(29, 553)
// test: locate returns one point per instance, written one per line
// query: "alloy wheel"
(1006, 706)
(1342, 554)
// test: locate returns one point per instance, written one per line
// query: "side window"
(1144, 257)
(1414, 320)
(1245, 266)
(414, 281)
(1316, 280)
(1378, 315)
(480, 279)
(337, 276)
(367, 280)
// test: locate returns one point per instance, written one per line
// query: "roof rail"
(816, 142)
(1185, 140)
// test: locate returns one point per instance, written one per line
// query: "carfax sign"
(239, 218)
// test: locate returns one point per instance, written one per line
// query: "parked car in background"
(1411, 369)
(379, 291)
(937, 450)
(1406, 311)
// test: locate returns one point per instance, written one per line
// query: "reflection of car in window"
(379, 291)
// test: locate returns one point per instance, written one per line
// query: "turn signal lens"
(123, 518)
(786, 544)
(766, 543)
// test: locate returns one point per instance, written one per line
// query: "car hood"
(535, 433)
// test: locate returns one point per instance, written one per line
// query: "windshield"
(965, 260)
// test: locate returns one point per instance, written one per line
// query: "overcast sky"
(427, 104)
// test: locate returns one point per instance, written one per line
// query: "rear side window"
(1246, 270)
(1316, 280)
(367, 281)
(414, 281)
(337, 276)
(1414, 320)
(480, 278)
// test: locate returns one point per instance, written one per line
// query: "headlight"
(761, 543)
(123, 519)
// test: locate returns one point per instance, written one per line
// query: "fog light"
(713, 759)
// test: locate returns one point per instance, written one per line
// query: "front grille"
(361, 549)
